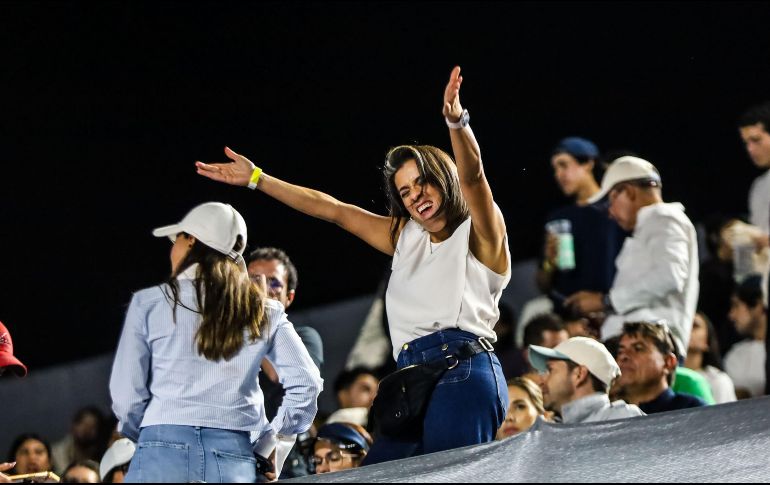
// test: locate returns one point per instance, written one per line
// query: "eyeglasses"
(334, 457)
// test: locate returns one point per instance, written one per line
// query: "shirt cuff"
(265, 445)
(283, 448)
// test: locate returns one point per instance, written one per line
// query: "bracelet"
(255, 178)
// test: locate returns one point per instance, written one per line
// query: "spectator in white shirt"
(745, 363)
(657, 276)
(703, 357)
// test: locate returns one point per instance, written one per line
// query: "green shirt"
(688, 381)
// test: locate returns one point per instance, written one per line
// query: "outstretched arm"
(372, 228)
(488, 225)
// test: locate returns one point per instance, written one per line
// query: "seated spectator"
(356, 388)
(647, 360)
(583, 326)
(525, 404)
(544, 331)
(31, 453)
(85, 440)
(745, 363)
(340, 446)
(703, 357)
(86, 471)
(579, 374)
(116, 461)
(7, 361)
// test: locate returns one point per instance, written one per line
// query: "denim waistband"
(433, 347)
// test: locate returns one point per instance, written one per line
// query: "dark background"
(105, 106)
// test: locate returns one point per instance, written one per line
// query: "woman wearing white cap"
(185, 380)
(450, 265)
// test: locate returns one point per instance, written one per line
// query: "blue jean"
(466, 408)
(184, 454)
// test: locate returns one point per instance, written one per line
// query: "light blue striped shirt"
(159, 378)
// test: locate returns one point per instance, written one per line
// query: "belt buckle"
(486, 345)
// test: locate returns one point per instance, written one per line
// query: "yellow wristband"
(255, 178)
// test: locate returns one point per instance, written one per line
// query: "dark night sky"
(105, 107)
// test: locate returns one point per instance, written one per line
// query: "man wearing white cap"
(657, 276)
(579, 374)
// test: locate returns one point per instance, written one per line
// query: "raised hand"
(452, 108)
(237, 172)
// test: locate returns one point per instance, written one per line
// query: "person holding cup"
(581, 241)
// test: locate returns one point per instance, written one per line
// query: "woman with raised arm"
(450, 265)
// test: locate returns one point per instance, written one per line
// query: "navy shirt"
(598, 241)
(671, 401)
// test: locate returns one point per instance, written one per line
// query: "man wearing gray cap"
(657, 276)
(579, 374)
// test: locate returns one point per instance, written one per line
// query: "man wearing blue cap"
(596, 239)
(340, 446)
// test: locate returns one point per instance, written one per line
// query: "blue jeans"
(184, 454)
(466, 408)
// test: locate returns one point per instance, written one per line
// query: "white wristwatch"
(465, 119)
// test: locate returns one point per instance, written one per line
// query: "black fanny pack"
(402, 400)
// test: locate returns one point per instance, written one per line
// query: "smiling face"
(421, 199)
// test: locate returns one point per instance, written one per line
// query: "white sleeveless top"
(441, 286)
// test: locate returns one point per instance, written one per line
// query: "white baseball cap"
(214, 224)
(120, 453)
(582, 351)
(626, 169)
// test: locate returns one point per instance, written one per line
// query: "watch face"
(466, 118)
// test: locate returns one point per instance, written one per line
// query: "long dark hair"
(712, 356)
(227, 300)
(436, 168)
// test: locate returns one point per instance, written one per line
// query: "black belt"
(466, 351)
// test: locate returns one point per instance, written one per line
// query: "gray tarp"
(726, 443)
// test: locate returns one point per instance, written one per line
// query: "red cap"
(6, 353)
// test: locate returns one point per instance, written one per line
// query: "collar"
(190, 273)
(647, 212)
(577, 411)
(661, 400)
